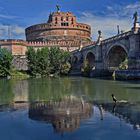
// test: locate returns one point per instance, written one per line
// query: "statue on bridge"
(99, 33)
(135, 17)
(99, 37)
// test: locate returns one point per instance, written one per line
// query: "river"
(69, 108)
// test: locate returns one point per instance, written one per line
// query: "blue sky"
(102, 15)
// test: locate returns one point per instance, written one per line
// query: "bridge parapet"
(117, 37)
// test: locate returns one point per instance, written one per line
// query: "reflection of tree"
(13, 94)
(6, 91)
(65, 115)
(56, 88)
(20, 89)
(49, 89)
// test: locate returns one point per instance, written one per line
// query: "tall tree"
(48, 61)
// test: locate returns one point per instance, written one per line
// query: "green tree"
(32, 61)
(5, 62)
(59, 61)
(55, 60)
(48, 61)
(65, 62)
(42, 61)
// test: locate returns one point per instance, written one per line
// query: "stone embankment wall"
(20, 62)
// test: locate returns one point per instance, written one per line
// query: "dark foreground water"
(69, 109)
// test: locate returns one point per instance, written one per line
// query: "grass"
(19, 74)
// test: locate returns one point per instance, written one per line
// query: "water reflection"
(67, 104)
(14, 106)
(130, 112)
(64, 115)
(47, 89)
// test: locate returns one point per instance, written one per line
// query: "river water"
(69, 108)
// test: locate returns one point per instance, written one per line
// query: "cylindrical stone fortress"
(61, 26)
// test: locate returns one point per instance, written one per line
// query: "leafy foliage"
(86, 67)
(47, 61)
(5, 62)
(124, 64)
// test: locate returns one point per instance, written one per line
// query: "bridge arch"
(90, 58)
(116, 54)
(74, 60)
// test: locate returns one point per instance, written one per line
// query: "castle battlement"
(13, 41)
(53, 43)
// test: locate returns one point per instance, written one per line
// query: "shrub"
(86, 67)
(5, 62)
(124, 64)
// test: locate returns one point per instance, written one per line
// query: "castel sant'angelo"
(61, 30)
(61, 27)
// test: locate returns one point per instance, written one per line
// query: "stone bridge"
(108, 54)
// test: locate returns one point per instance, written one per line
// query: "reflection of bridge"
(130, 112)
(108, 54)
(64, 115)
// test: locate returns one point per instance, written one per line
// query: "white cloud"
(16, 31)
(109, 19)
(123, 11)
(7, 16)
(108, 25)
(135, 6)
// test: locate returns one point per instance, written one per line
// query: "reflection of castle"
(64, 115)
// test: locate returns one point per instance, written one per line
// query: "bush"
(86, 67)
(124, 64)
(65, 68)
(5, 62)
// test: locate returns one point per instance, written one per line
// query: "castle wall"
(16, 47)
(59, 34)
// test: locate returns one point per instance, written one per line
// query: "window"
(56, 20)
(64, 24)
(72, 21)
(67, 18)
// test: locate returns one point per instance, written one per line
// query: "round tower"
(61, 26)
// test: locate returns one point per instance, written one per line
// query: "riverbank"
(17, 74)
